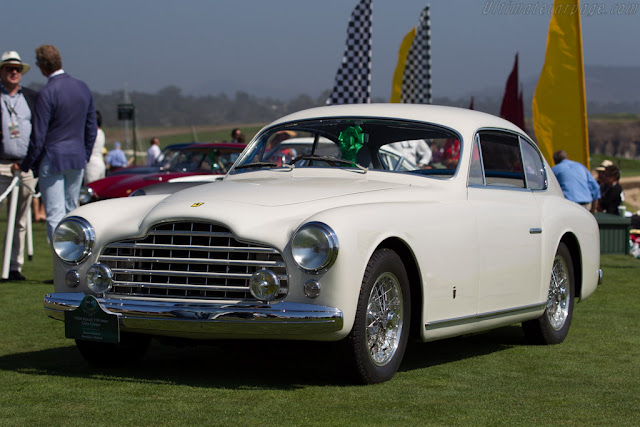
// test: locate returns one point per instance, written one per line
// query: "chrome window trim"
(521, 138)
(476, 140)
(524, 140)
(290, 126)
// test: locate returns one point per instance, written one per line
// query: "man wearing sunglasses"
(15, 130)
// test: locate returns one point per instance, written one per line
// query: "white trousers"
(27, 186)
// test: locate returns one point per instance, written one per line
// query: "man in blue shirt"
(116, 159)
(578, 185)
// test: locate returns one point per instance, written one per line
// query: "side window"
(475, 170)
(501, 159)
(533, 166)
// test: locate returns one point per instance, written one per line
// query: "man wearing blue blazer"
(63, 133)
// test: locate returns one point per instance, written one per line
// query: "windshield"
(374, 144)
(203, 159)
(167, 156)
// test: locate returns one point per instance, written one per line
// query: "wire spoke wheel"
(553, 326)
(384, 318)
(559, 294)
(378, 339)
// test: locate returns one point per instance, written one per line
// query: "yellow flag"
(559, 102)
(396, 87)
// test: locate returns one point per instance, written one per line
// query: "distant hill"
(609, 90)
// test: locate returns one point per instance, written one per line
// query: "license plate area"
(91, 322)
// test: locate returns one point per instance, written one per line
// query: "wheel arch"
(415, 282)
(570, 240)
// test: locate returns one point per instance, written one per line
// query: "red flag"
(512, 108)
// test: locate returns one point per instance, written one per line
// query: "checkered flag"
(353, 79)
(416, 81)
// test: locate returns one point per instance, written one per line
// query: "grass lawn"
(492, 378)
(206, 135)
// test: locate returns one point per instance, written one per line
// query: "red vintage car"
(194, 159)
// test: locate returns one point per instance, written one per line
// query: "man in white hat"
(15, 130)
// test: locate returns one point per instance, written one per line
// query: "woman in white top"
(95, 169)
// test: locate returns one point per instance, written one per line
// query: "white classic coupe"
(342, 242)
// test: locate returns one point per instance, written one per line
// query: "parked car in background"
(176, 184)
(341, 246)
(194, 159)
(163, 162)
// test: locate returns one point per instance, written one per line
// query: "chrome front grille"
(189, 260)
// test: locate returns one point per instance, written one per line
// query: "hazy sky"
(282, 48)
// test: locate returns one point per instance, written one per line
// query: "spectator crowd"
(599, 193)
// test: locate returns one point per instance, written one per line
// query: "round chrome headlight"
(99, 278)
(73, 239)
(86, 195)
(314, 247)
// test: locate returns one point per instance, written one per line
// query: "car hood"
(277, 191)
(254, 208)
(265, 207)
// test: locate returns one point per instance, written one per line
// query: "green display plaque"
(91, 322)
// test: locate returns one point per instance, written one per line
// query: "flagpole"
(428, 28)
(582, 93)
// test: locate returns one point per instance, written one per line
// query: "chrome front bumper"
(280, 320)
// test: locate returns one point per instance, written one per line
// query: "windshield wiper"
(332, 161)
(264, 164)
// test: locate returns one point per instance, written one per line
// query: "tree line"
(170, 107)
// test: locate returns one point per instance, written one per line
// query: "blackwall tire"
(379, 336)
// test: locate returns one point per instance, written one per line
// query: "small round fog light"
(264, 285)
(312, 289)
(99, 278)
(72, 278)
